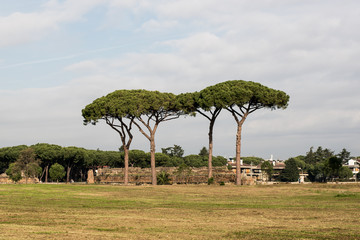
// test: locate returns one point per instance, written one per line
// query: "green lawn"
(285, 211)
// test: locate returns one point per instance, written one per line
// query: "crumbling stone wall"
(5, 179)
(143, 175)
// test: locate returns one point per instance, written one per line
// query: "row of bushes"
(77, 161)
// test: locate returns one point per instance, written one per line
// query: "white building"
(354, 167)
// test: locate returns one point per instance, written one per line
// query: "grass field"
(286, 211)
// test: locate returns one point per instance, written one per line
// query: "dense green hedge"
(81, 159)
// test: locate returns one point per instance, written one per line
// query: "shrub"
(219, 161)
(57, 172)
(345, 173)
(291, 171)
(183, 173)
(163, 178)
(210, 181)
(14, 172)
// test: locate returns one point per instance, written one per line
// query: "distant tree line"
(48, 161)
(321, 165)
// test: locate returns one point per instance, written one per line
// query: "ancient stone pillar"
(90, 177)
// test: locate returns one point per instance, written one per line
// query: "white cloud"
(123, 3)
(18, 28)
(154, 25)
(309, 50)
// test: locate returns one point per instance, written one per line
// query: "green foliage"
(175, 151)
(323, 164)
(229, 95)
(9, 155)
(206, 104)
(92, 158)
(146, 109)
(112, 159)
(345, 173)
(57, 172)
(28, 163)
(320, 155)
(14, 172)
(268, 168)
(47, 153)
(291, 171)
(344, 155)
(162, 159)
(131, 103)
(210, 181)
(138, 158)
(118, 104)
(247, 95)
(163, 178)
(37, 170)
(182, 173)
(334, 164)
(204, 152)
(188, 102)
(195, 161)
(317, 172)
(252, 160)
(300, 163)
(219, 161)
(174, 162)
(73, 155)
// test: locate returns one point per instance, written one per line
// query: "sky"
(57, 56)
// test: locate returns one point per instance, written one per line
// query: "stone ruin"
(138, 176)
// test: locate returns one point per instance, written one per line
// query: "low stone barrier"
(188, 176)
(4, 179)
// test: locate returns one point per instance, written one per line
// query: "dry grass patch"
(179, 212)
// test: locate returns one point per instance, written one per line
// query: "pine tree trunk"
(152, 161)
(238, 148)
(238, 153)
(46, 173)
(210, 149)
(26, 174)
(126, 163)
(68, 174)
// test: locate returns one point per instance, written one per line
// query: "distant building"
(354, 166)
(254, 171)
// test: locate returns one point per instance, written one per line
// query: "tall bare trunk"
(126, 163)
(26, 173)
(210, 160)
(238, 152)
(210, 149)
(42, 174)
(238, 148)
(152, 161)
(68, 174)
(46, 173)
